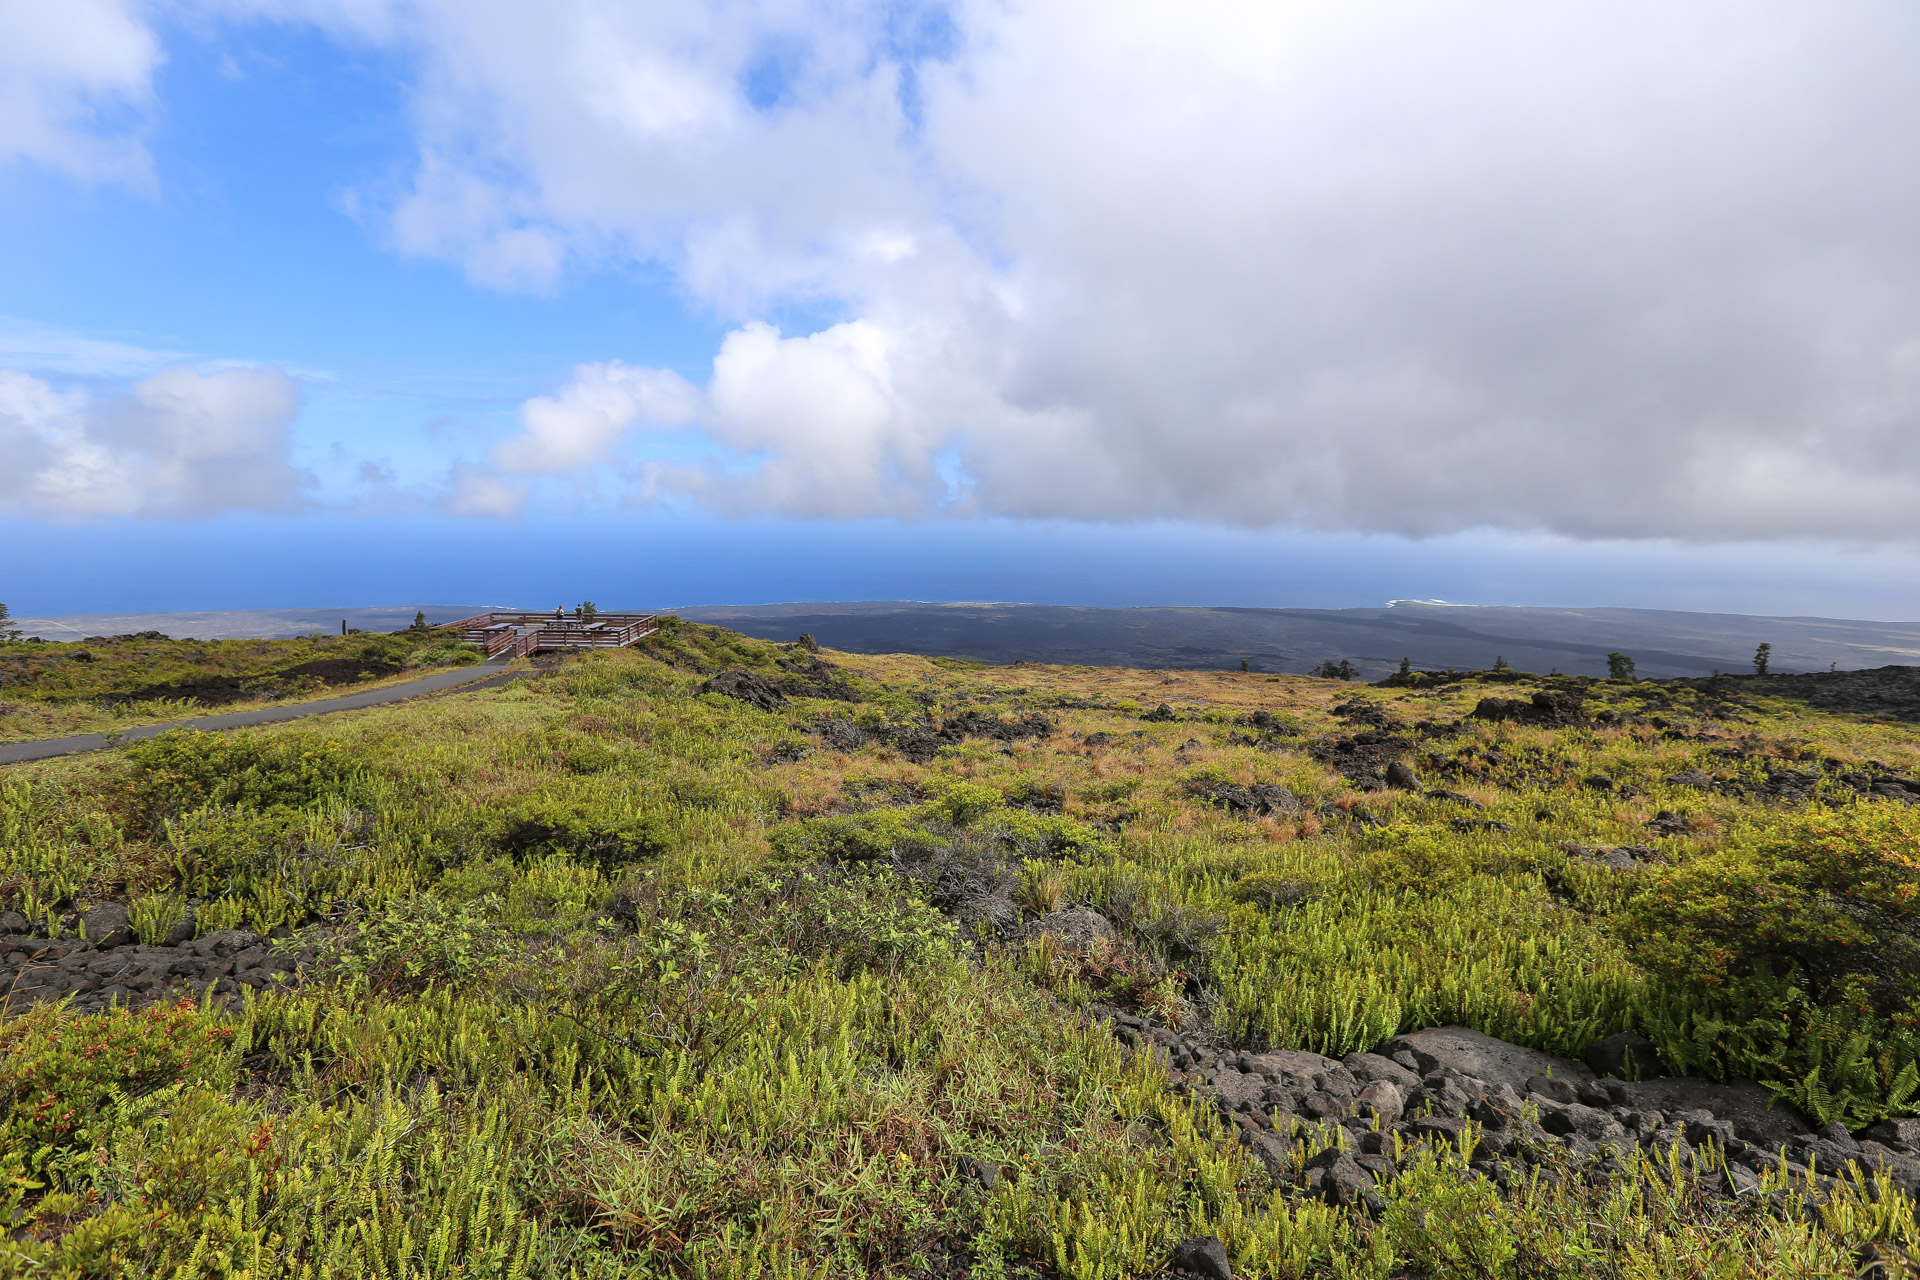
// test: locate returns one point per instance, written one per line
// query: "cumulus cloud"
(179, 443)
(823, 416)
(1630, 269)
(76, 82)
(581, 424)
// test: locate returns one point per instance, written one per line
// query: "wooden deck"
(526, 632)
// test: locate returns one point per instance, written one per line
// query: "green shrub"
(1831, 897)
(185, 769)
(153, 914)
(853, 837)
(448, 653)
(1447, 1224)
(1793, 955)
(1047, 835)
(219, 850)
(854, 920)
(965, 802)
(417, 942)
(540, 826)
(65, 1078)
(1408, 859)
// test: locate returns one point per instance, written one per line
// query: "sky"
(1303, 302)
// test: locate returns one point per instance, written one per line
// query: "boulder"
(1203, 1256)
(1401, 776)
(1578, 1118)
(1260, 799)
(1341, 1178)
(1901, 1135)
(1322, 1105)
(1239, 1090)
(106, 926)
(1275, 799)
(1370, 1067)
(1275, 1154)
(1472, 1053)
(1559, 1092)
(1446, 1128)
(1548, 707)
(222, 944)
(755, 690)
(1384, 1100)
(1623, 858)
(1668, 823)
(1302, 1071)
(1835, 1134)
(1627, 1055)
(1748, 1106)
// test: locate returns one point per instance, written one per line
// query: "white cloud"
(822, 417)
(583, 422)
(179, 443)
(1634, 269)
(76, 82)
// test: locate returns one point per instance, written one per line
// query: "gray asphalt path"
(490, 672)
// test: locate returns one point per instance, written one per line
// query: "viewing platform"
(526, 633)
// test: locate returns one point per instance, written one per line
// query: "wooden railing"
(526, 632)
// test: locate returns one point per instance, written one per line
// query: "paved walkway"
(490, 672)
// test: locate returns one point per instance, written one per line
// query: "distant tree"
(1406, 666)
(1245, 665)
(1761, 657)
(585, 611)
(7, 632)
(419, 620)
(1500, 664)
(1619, 667)
(1331, 670)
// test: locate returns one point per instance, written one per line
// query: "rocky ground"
(115, 969)
(1888, 693)
(1339, 1129)
(1520, 1107)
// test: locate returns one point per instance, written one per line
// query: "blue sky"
(332, 301)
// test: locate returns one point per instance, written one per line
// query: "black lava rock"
(1203, 1256)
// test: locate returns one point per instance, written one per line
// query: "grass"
(54, 689)
(614, 986)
